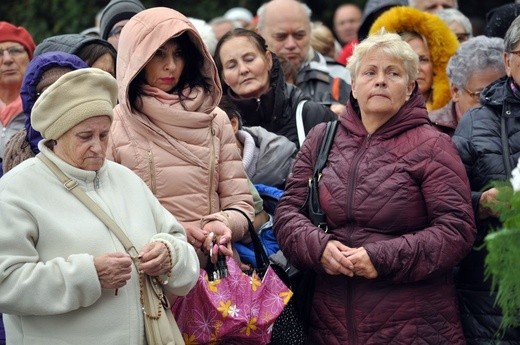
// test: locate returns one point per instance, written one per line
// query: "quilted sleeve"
(451, 231)
(462, 138)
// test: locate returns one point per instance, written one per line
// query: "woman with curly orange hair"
(432, 40)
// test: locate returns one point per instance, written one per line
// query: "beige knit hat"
(73, 98)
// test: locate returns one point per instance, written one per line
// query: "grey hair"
(261, 14)
(450, 15)
(413, 3)
(474, 55)
(392, 45)
(512, 37)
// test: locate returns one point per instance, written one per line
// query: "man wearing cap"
(114, 17)
(65, 278)
(16, 50)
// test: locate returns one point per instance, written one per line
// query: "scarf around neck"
(168, 111)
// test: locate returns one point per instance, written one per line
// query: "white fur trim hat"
(73, 98)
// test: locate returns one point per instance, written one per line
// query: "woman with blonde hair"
(398, 209)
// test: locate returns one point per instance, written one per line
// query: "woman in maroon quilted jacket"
(398, 208)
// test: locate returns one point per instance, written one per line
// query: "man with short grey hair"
(286, 26)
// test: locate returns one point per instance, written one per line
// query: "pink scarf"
(168, 112)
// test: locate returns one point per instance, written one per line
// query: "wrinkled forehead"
(9, 44)
(429, 4)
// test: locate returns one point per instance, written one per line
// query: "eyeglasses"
(115, 32)
(473, 94)
(515, 52)
(462, 36)
(13, 51)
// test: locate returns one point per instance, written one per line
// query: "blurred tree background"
(45, 18)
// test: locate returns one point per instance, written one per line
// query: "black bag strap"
(326, 143)
(262, 260)
(315, 213)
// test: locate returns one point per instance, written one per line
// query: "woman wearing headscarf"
(169, 130)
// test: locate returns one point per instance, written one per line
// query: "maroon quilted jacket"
(401, 193)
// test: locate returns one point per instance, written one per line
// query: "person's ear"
(235, 124)
(507, 63)
(409, 89)
(353, 88)
(269, 57)
(455, 94)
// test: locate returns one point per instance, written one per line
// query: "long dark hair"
(191, 76)
(255, 38)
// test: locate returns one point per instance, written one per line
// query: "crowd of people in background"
(167, 121)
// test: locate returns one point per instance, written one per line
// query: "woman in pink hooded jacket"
(168, 129)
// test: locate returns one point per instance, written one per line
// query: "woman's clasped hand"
(341, 259)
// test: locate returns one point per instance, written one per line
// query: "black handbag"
(292, 326)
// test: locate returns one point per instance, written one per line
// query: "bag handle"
(299, 121)
(72, 186)
(262, 260)
(326, 143)
(316, 214)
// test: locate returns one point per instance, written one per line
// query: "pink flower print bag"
(237, 309)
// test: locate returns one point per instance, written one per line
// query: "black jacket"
(480, 143)
(276, 109)
(316, 81)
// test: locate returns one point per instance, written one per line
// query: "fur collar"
(442, 44)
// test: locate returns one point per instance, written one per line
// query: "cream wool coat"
(49, 289)
(195, 169)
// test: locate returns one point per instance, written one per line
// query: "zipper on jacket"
(257, 103)
(351, 329)
(211, 166)
(151, 167)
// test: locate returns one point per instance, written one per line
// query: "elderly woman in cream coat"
(64, 276)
